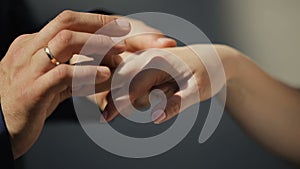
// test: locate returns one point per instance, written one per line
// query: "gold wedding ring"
(51, 57)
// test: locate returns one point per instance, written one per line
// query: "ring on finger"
(51, 56)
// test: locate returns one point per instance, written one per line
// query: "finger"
(54, 103)
(101, 99)
(110, 112)
(65, 77)
(103, 86)
(143, 82)
(140, 86)
(123, 105)
(146, 41)
(140, 90)
(143, 37)
(168, 89)
(84, 90)
(110, 60)
(81, 22)
(175, 104)
(99, 87)
(67, 43)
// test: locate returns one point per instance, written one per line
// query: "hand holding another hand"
(32, 86)
(34, 78)
(181, 73)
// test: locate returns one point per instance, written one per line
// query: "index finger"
(83, 22)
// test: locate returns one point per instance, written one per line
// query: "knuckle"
(67, 93)
(63, 37)
(15, 52)
(103, 19)
(61, 73)
(174, 106)
(18, 53)
(66, 17)
(22, 38)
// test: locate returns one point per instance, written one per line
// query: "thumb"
(175, 104)
(164, 42)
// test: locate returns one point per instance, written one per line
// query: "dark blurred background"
(260, 29)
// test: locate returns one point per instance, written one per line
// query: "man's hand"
(32, 85)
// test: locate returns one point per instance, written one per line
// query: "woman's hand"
(141, 37)
(266, 108)
(183, 80)
(32, 86)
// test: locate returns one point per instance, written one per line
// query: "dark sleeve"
(6, 157)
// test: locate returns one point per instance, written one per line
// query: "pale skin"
(32, 86)
(266, 108)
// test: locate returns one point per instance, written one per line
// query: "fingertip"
(103, 74)
(123, 23)
(171, 109)
(166, 42)
(158, 116)
(116, 27)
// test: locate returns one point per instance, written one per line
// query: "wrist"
(231, 60)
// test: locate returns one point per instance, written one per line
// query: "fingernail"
(103, 117)
(123, 23)
(158, 116)
(105, 72)
(164, 40)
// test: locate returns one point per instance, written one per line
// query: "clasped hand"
(186, 75)
(32, 86)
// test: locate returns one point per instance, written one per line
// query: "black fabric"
(6, 157)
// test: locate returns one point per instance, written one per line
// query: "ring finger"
(67, 43)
